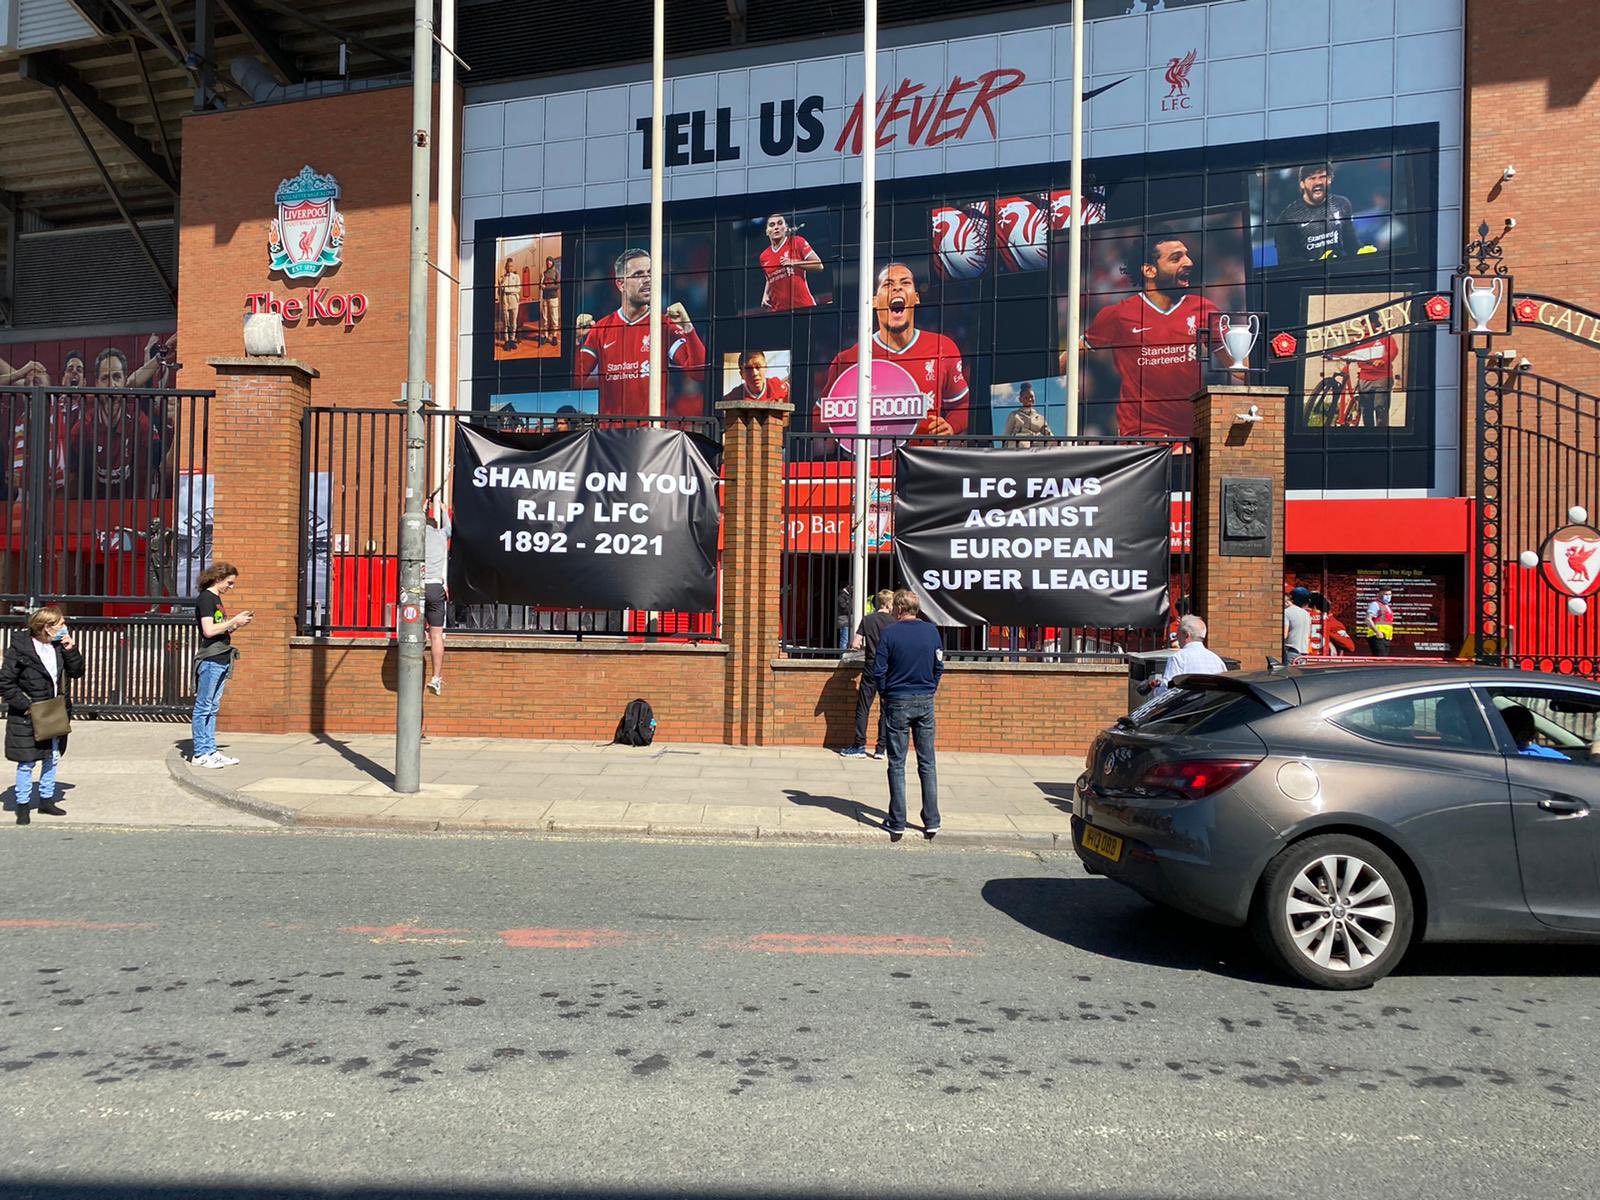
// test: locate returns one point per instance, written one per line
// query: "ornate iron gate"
(1538, 471)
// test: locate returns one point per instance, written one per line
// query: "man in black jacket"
(906, 672)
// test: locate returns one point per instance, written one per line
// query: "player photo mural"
(756, 375)
(931, 362)
(1152, 337)
(787, 262)
(615, 350)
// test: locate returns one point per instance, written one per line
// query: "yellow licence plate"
(1105, 844)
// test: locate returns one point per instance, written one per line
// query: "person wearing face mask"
(37, 665)
(1380, 624)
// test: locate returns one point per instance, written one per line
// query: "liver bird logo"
(1578, 557)
(1178, 73)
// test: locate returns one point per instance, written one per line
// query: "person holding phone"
(214, 661)
(37, 664)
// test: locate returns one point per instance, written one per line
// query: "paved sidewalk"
(665, 789)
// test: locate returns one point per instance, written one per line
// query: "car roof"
(1314, 685)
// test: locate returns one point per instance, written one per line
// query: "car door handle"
(1566, 805)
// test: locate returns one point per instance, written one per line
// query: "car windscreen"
(1180, 710)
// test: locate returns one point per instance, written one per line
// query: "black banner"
(606, 519)
(1065, 536)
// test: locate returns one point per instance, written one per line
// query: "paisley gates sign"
(304, 240)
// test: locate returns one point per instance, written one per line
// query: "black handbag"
(50, 719)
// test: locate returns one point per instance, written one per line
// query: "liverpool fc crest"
(306, 238)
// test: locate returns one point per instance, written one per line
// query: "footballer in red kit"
(931, 358)
(786, 262)
(1152, 338)
(616, 348)
(755, 383)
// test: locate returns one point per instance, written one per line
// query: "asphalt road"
(289, 1013)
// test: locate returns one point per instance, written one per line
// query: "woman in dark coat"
(37, 665)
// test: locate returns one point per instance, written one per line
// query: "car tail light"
(1195, 778)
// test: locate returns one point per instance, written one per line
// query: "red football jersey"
(1374, 361)
(620, 348)
(1157, 357)
(775, 391)
(935, 364)
(786, 286)
(125, 456)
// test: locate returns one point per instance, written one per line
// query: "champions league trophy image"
(1239, 338)
(1482, 302)
(1482, 286)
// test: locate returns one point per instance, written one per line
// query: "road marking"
(62, 924)
(844, 943)
(405, 932)
(563, 939)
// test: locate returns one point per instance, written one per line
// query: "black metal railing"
(816, 599)
(353, 489)
(134, 666)
(107, 504)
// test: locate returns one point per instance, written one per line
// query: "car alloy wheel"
(1340, 912)
(1334, 910)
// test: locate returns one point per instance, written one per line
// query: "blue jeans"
(212, 679)
(47, 778)
(911, 718)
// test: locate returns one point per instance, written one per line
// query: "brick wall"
(1240, 597)
(982, 707)
(1533, 103)
(233, 163)
(495, 688)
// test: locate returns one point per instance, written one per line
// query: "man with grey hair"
(906, 671)
(1194, 657)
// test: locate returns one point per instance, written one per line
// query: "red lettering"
(315, 308)
(256, 301)
(921, 114)
(293, 308)
(991, 86)
(895, 111)
(951, 114)
(851, 133)
(356, 309)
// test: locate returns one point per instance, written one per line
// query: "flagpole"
(1075, 228)
(658, 71)
(866, 289)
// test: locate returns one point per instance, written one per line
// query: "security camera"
(1525, 365)
(1511, 223)
(1506, 356)
(1508, 174)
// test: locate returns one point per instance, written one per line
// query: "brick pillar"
(752, 561)
(254, 459)
(1240, 594)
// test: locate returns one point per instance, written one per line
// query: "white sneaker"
(436, 685)
(200, 760)
(212, 762)
(219, 759)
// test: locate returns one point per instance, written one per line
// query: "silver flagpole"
(1075, 230)
(658, 71)
(866, 290)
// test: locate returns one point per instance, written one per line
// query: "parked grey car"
(1347, 812)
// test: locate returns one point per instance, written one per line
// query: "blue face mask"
(58, 635)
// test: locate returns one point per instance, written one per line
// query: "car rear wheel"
(1334, 911)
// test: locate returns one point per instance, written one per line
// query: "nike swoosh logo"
(1139, 329)
(1093, 92)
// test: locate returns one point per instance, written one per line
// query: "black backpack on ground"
(638, 724)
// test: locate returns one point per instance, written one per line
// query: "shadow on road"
(1105, 918)
(863, 814)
